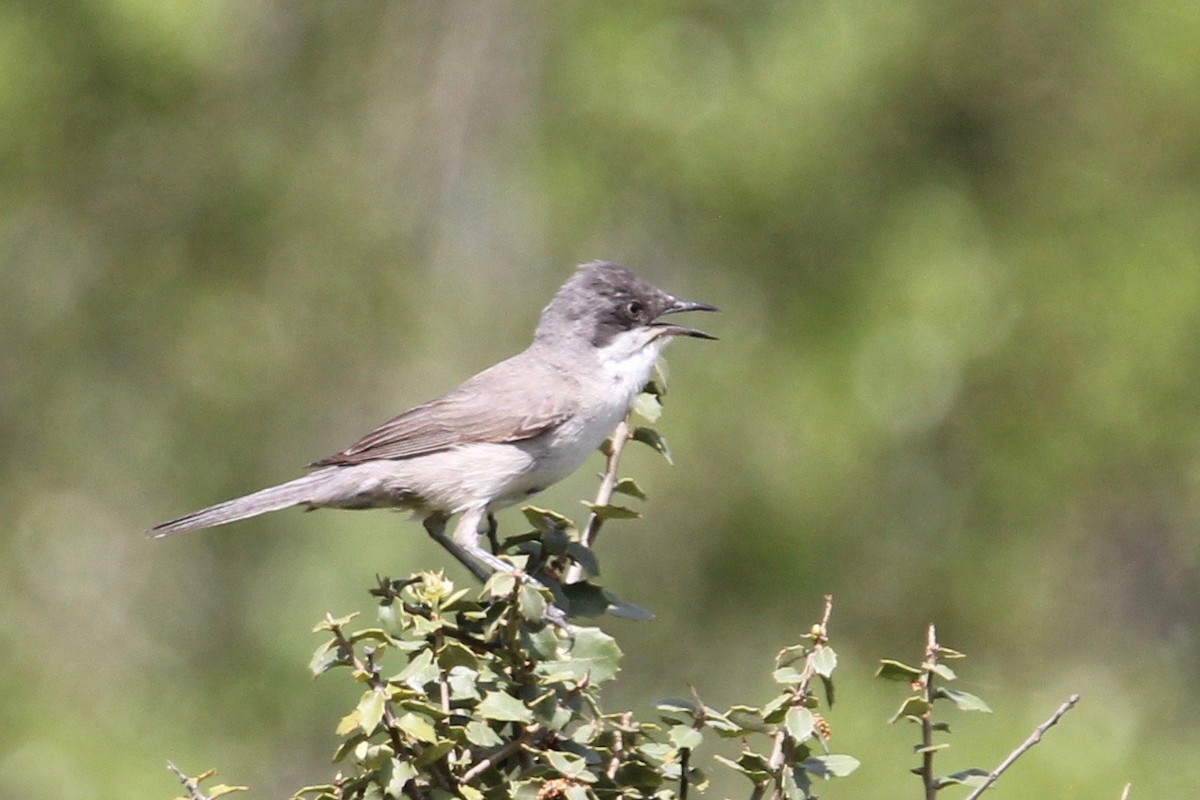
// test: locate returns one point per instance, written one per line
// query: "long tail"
(301, 491)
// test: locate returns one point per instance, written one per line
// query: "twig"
(608, 482)
(1125, 791)
(927, 751)
(498, 756)
(1033, 739)
(192, 786)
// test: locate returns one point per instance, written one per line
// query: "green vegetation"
(956, 250)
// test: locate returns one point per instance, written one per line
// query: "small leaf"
(613, 512)
(912, 707)
(965, 701)
(629, 487)
(325, 658)
(530, 603)
(401, 773)
(685, 736)
(823, 660)
(418, 672)
(501, 584)
(503, 707)
(942, 671)
(800, 723)
(648, 406)
(774, 711)
(585, 599)
(748, 718)
(677, 708)
(584, 557)
(468, 792)
(594, 656)
(787, 675)
(370, 710)
(545, 519)
(330, 622)
(347, 723)
(619, 608)
(933, 748)
(417, 727)
(567, 764)
(481, 735)
(654, 439)
(973, 778)
(221, 790)
(891, 670)
(832, 766)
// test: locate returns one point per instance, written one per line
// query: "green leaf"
(545, 519)
(221, 790)
(787, 675)
(584, 557)
(823, 660)
(481, 735)
(685, 736)
(501, 584)
(965, 701)
(417, 727)
(619, 608)
(832, 766)
(595, 656)
(531, 603)
(933, 748)
(800, 723)
(435, 752)
(747, 718)
(586, 599)
(773, 712)
(397, 775)
(463, 682)
(654, 439)
(418, 672)
(942, 671)
(330, 622)
(325, 658)
(629, 487)
(891, 670)
(468, 792)
(648, 406)
(370, 710)
(503, 707)
(566, 764)
(973, 778)
(612, 512)
(677, 708)
(913, 707)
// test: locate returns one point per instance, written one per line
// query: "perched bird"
(504, 435)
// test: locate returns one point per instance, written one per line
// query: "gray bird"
(504, 435)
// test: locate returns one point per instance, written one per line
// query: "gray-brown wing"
(477, 411)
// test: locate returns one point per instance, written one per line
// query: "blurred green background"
(957, 246)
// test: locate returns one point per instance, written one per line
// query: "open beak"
(677, 307)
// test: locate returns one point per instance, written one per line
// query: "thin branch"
(192, 785)
(927, 751)
(500, 755)
(1125, 791)
(1033, 739)
(608, 482)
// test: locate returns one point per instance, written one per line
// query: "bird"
(505, 434)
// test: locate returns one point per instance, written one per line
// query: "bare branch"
(190, 784)
(1033, 739)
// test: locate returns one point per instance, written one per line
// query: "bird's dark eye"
(633, 308)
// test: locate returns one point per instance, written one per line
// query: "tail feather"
(293, 493)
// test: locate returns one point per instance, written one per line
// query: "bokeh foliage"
(956, 246)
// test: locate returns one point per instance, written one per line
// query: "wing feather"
(486, 408)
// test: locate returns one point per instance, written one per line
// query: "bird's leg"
(464, 546)
(492, 528)
(435, 526)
